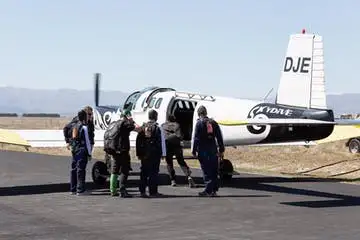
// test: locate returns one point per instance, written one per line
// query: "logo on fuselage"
(266, 111)
(103, 117)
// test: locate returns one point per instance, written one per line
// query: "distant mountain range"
(68, 101)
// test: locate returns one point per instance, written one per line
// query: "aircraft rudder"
(302, 78)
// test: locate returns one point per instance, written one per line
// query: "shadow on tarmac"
(250, 183)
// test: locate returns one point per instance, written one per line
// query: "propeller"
(97, 91)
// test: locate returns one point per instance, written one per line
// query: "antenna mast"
(266, 96)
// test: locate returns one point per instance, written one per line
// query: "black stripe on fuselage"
(292, 133)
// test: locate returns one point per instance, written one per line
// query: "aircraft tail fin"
(302, 82)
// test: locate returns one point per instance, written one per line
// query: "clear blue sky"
(236, 46)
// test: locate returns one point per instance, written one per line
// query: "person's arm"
(74, 132)
(91, 130)
(129, 125)
(178, 132)
(196, 138)
(163, 145)
(139, 144)
(87, 140)
(65, 132)
(219, 137)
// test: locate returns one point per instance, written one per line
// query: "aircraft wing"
(343, 129)
(13, 138)
(341, 132)
(45, 137)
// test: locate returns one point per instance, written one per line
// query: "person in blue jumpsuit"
(81, 150)
(208, 147)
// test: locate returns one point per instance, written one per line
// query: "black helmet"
(82, 115)
(202, 111)
(153, 114)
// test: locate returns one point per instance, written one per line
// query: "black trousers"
(120, 163)
(149, 172)
(172, 150)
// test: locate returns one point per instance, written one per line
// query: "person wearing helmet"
(208, 147)
(82, 152)
(150, 148)
(173, 138)
(121, 159)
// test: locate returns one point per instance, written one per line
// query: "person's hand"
(89, 158)
(68, 146)
(221, 155)
(194, 154)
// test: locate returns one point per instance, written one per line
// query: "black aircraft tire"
(99, 170)
(226, 170)
(354, 146)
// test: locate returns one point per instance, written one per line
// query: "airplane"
(299, 115)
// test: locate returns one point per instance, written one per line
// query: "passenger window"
(158, 103)
(143, 102)
(152, 101)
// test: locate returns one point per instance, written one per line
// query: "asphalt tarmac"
(35, 204)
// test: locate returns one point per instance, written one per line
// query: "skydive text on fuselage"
(271, 110)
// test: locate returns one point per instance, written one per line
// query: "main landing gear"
(354, 145)
(226, 170)
(101, 171)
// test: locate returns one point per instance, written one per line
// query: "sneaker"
(72, 193)
(155, 195)
(114, 194)
(214, 194)
(125, 194)
(143, 195)
(191, 182)
(84, 193)
(204, 194)
(173, 183)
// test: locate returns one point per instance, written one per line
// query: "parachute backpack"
(68, 128)
(209, 128)
(150, 132)
(150, 144)
(78, 141)
(111, 137)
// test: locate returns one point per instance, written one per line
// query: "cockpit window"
(131, 101)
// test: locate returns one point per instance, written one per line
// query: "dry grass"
(326, 160)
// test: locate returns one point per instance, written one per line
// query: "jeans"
(78, 171)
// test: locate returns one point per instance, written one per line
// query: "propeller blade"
(97, 89)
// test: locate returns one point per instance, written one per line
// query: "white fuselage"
(184, 106)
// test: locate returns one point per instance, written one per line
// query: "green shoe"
(113, 184)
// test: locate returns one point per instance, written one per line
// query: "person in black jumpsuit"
(173, 138)
(120, 162)
(150, 148)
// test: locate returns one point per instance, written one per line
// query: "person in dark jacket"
(173, 138)
(121, 159)
(207, 139)
(90, 126)
(150, 148)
